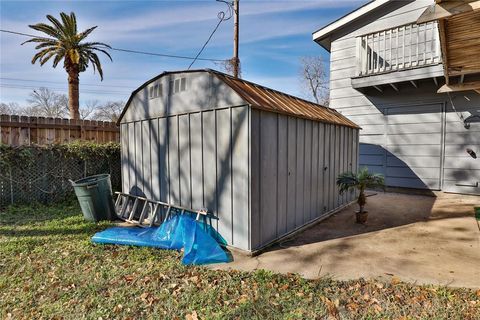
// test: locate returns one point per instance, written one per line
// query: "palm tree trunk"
(73, 94)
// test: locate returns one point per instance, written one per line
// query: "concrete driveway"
(428, 240)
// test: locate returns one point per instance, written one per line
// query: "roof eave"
(324, 33)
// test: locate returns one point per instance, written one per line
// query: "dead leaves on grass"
(192, 316)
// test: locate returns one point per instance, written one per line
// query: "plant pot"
(361, 216)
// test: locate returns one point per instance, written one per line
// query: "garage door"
(462, 171)
(413, 146)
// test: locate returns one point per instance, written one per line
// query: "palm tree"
(65, 43)
(360, 181)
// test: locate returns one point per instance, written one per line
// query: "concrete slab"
(422, 239)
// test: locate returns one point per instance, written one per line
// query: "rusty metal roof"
(263, 98)
(260, 97)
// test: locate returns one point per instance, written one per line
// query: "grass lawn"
(49, 269)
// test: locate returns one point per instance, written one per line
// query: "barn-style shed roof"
(263, 98)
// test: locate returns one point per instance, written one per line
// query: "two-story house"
(407, 72)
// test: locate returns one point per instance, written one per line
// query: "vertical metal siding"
(321, 172)
(282, 175)
(131, 158)
(307, 180)
(162, 139)
(326, 169)
(195, 160)
(289, 182)
(196, 172)
(255, 194)
(292, 171)
(240, 178)
(173, 161)
(146, 160)
(155, 157)
(224, 173)
(185, 171)
(300, 173)
(333, 143)
(124, 154)
(315, 194)
(209, 163)
(139, 177)
(268, 176)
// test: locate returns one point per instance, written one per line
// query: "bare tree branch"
(9, 108)
(110, 111)
(88, 110)
(46, 103)
(314, 80)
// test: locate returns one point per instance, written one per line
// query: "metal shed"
(263, 161)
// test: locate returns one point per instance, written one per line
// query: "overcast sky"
(273, 36)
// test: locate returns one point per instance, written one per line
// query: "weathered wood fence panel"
(22, 130)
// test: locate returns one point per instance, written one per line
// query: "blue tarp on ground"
(181, 231)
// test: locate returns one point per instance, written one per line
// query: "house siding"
(413, 137)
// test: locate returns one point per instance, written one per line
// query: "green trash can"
(94, 194)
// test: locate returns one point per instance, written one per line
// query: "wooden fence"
(23, 130)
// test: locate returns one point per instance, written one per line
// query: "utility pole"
(236, 60)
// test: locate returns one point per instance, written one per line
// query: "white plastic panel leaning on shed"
(263, 161)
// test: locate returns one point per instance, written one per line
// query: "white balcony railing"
(404, 47)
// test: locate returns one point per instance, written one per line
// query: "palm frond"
(70, 23)
(58, 25)
(58, 58)
(39, 55)
(84, 34)
(346, 181)
(361, 180)
(47, 57)
(96, 63)
(45, 28)
(45, 44)
(38, 39)
(92, 45)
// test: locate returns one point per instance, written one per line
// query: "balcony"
(397, 49)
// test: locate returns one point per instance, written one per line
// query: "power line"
(164, 55)
(221, 17)
(167, 55)
(58, 82)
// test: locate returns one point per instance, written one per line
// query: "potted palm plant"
(360, 181)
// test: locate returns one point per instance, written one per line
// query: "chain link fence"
(46, 179)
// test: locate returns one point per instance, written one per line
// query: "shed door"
(413, 140)
(462, 172)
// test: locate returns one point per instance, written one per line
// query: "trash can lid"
(90, 180)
